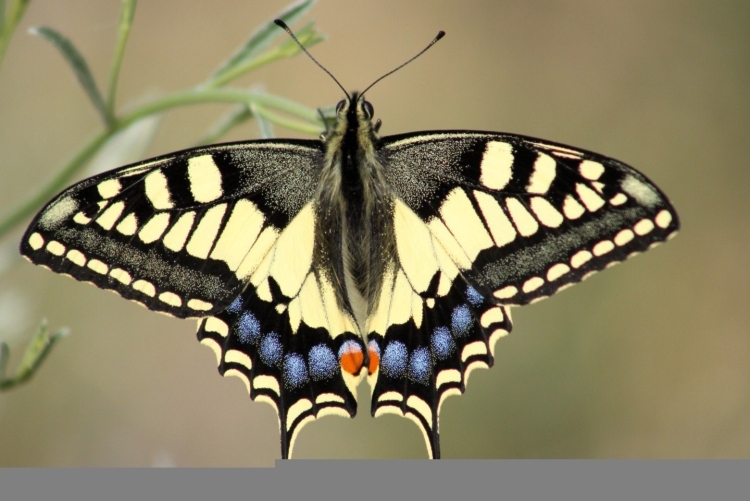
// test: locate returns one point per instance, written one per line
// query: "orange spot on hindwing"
(351, 357)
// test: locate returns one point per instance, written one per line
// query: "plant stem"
(126, 21)
(15, 13)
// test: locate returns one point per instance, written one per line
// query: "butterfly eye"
(368, 109)
(340, 106)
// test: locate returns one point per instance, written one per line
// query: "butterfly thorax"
(354, 206)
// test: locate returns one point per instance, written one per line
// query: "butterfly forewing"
(522, 217)
(182, 233)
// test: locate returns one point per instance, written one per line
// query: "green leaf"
(127, 14)
(79, 65)
(262, 38)
(36, 351)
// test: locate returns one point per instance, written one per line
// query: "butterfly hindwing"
(283, 350)
(177, 233)
(427, 344)
(484, 221)
(287, 337)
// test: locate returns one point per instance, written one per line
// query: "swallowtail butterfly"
(311, 265)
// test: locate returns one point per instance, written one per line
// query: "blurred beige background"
(650, 359)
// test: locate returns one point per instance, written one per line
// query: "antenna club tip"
(440, 35)
(281, 23)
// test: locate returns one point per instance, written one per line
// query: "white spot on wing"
(171, 299)
(491, 316)
(109, 217)
(543, 175)
(591, 170)
(239, 234)
(145, 287)
(501, 229)
(216, 325)
(624, 237)
(603, 247)
(497, 165)
(154, 228)
(589, 197)
(177, 235)
(198, 305)
(202, 239)
(505, 292)
(572, 209)
(98, 266)
(663, 219)
(121, 276)
(56, 248)
(157, 190)
(36, 241)
(76, 257)
(557, 271)
(580, 258)
(205, 179)
(447, 376)
(546, 212)
(525, 222)
(472, 349)
(464, 223)
(109, 188)
(238, 357)
(643, 227)
(266, 383)
(618, 199)
(532, 284)
(129, 225)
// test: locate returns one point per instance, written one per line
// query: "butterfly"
(314, 264)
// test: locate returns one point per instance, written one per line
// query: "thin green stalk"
(127, 13)
(284, 121)
(198, 96)
(308, 37)
(15, 13)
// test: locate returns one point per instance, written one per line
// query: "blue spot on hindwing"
(442, 343)
(461, 320)
(394, 358)
(271, 349)
(248, 328)
(475, 298)
(420, 364)
(236, 306)
(295, 371)
(323, 363)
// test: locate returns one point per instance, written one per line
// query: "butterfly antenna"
(440, 35)
(282, 24)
